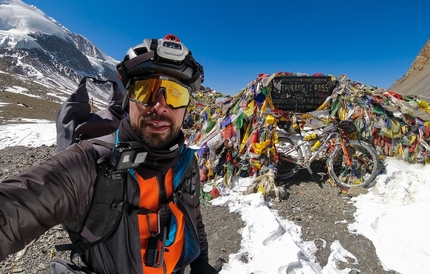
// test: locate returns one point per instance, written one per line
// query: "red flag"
(228, 131)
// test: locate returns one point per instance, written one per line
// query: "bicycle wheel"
(364, 168)
(288, 154)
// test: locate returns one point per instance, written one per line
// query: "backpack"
(76, 122)
(108, 205)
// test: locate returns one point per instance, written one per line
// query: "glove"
(201, 265)
(203, 268)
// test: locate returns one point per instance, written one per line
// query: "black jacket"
(60, 190)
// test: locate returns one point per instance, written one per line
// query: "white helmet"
(167, 55)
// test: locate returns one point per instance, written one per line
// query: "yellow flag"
(263, 108)
(342, 112)
(259, 147)
(323, 106)
(245, 137)
(208, 112)
(249, 111)
(269, 101)
(262, 190)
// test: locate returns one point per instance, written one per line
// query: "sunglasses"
(146, 91)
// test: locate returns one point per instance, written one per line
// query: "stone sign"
(300, 93)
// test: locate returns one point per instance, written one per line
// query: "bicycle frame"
(303, 145)
(349, 162)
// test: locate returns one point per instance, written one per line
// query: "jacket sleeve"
(43, 196)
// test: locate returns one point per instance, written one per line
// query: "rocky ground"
(320, 209)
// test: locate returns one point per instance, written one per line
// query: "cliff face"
(416, 81)
(422, 59)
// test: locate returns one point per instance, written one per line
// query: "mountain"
(36, 48)
(416, 81)
(43, 56)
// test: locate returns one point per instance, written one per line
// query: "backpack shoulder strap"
(104, 213)
(184, 167)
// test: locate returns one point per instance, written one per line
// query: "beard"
(155, 140)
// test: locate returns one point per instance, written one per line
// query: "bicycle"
(350, 162)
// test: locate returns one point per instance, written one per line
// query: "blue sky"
(374, 42)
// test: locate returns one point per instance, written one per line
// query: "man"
(154, 235)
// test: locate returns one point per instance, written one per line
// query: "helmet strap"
(154, 44)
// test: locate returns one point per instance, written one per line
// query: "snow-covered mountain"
(35, 47)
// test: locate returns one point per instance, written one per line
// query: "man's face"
(156, 124)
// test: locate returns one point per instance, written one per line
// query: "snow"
(20, 19)
(393, 215)
(24, 91)
(33, 133)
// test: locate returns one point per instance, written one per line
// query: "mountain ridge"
(416, 81)
(36, 46)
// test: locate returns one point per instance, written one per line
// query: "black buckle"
(154, 256)
(121, 206)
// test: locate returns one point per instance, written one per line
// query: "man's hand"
(203, 268)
